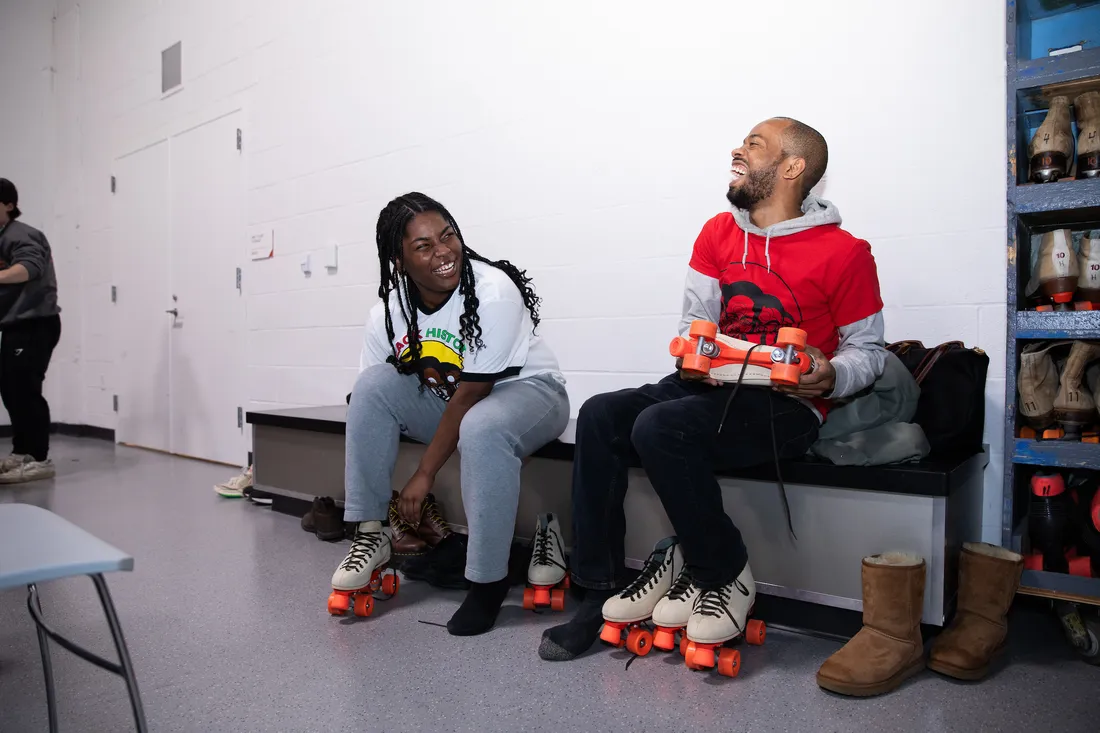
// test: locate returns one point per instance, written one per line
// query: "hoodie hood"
(815, 212)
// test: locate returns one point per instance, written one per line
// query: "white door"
(139, 257)
(207, 247)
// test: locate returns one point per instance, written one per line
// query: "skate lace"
(682, 587)
(362, 548)
(542, 555)
(716, 602)
(647, 580)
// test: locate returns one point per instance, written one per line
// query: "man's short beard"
(758, 186)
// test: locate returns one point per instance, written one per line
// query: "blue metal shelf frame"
(1042, 205)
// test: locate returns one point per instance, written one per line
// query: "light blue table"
(37, 546)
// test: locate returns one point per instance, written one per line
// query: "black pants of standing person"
(672, 428)
(25, 351)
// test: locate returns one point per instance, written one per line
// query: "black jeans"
(25, 351)
(671, 429)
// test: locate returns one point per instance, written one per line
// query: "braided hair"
(390, 233)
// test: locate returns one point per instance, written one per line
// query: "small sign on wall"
(261, 244)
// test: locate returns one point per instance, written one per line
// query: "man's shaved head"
(802, 141)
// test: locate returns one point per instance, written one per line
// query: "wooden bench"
(840, 513)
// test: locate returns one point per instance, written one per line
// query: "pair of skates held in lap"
(707, 353)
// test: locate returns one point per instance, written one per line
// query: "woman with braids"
(450, 358)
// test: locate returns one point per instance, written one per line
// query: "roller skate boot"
(362, 572)
(673, 611)
(721, 616)
(625, 614)
(1050, 515)
(1088, 262)
(1074, 405)
(1057, 270)
(547, 576)
(1037, 383)
(1087, 108)
(1051, 150)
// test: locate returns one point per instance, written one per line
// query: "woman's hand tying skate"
(411, 500)
(817, 383)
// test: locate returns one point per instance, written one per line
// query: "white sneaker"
(15, 460)
(674, 610)
(548, 557)
(721, 614)
(370, 550)
(234, 487)
(638, 599)
(28, 470)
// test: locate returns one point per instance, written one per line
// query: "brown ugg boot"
(988, 579)
(888, 649)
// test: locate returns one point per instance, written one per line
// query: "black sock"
(478, 612)
(570, 640)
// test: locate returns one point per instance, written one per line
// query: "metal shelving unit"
(1033, 78)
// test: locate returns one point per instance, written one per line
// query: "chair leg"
(47, 664)
(123, 654)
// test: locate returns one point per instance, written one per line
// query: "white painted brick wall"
(587, 142)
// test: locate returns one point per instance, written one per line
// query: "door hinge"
(114, 400)
(112, 184)
(239, 140)
(240, 418)
(238, 279)
(114, 294)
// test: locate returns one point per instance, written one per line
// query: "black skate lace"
(716, 602)
(648, 577)
(362, 547)
(541, 554)
(684, 583)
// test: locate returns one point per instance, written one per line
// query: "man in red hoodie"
(780, 259)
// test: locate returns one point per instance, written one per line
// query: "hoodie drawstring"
(767, 250)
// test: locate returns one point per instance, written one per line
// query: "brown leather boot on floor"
(406, 542)
(988, 579)
(888, 649)
(432, 527)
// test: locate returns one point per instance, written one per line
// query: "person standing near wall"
(30, 327)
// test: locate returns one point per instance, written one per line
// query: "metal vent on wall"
(171, 67)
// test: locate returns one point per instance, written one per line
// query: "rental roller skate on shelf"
(547, 576)
(363, 572)
(707, 352)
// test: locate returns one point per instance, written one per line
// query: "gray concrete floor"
(226, 621)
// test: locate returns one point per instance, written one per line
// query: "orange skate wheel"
(565, 582)
(557, 600)
(364, 605)
(639, 641)
(786, 374)
(755, 631)
(529, 599)
(729, 662)
(680, 347)
(390, 584)
(704, 329)
(795, 337)
(665, 639)
(337, 604)
(542, 595)
(613, 635)
(684, 645)
(702, 657)
(696, 363)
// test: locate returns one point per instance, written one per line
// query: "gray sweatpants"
(515, 420)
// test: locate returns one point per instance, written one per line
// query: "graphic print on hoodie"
(806, 273)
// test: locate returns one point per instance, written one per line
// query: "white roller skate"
(628, 611)
(547, 575)
(719, 616)
(361, 573)
(673, 611)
